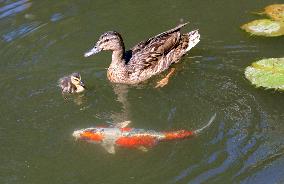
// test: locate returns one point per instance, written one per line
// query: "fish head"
(89, 134)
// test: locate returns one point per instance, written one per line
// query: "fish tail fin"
(181, 134)
(198, 131)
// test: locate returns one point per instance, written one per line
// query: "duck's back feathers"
(152, 42)
(64, 81)
(66, 85)
(152, 54)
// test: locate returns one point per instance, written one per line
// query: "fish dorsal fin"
(109, 147)
(122, 124)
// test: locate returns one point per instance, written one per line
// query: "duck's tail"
(193, 39)
(181, 134)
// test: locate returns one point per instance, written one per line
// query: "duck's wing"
(64, 82)
(158, 38)
(148, 53)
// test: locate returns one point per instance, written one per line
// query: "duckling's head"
(110, 40)
(76, 80)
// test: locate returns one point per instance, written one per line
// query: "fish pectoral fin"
(142, 148)
(123, 124)
(109, 148)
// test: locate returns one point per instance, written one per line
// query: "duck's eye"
(106, 40)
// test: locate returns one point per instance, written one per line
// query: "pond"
(42, 41)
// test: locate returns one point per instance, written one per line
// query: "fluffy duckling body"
(71, 83)
(147, 58)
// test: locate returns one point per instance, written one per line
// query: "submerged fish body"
(122, 136)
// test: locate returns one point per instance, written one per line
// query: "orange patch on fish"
(126, 129)
(88, 135)
(178, 134)
(136, 141)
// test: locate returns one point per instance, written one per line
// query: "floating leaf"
(264, 27)
(275, 11)
(268, 73)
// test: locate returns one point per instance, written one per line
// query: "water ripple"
(21, 31)
(14, 8)
(240, 144)
(56, 17)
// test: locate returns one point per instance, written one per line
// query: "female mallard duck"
(71, 83)
(147, 58)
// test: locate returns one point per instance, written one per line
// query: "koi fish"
(119, 135)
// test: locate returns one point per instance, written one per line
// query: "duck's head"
(76, 80)
(110, 40)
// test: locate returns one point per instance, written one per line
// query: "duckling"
(147, 58)
(71, 83)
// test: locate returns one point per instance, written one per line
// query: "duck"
(71, 83)
(147, 58)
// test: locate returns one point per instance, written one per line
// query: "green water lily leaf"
(275, 11)
(264, 27)
(268, 73)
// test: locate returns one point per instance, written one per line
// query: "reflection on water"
(42, 40)
(78, 99)
(121, 91)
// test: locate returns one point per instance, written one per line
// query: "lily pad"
(268, 73)
(264, 27)
(275, 11)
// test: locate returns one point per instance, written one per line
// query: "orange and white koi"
(122, 136)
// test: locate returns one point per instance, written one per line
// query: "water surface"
(43, 40)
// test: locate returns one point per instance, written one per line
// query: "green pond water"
(42, 41)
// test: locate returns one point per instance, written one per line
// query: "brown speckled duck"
(147, 58)
(71, 83)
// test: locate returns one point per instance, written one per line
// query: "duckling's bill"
(83, 84)
(80, 88)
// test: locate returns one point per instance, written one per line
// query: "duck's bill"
(93, 51)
